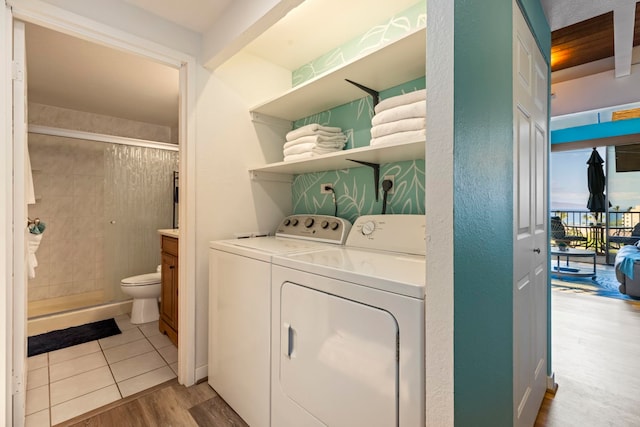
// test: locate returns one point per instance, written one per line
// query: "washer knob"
(287, 222)
(335, 225)
(368, 227)
(294, 221)
(324, 224)
(308, 222)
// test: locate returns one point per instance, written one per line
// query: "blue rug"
(55, 340)
(605, 284)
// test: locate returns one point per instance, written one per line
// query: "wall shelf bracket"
(376, 173)
(374, 93)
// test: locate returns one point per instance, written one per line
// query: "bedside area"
(168, 323)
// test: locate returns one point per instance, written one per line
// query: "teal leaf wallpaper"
(397, 26)
(355, 193)
(355, 188)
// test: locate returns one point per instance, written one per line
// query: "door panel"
(530, 91)
(338, 358)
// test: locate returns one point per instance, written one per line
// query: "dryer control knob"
(324, 224)
(287, 222)
(308, 222)
(368, 227)
(335, 225)
(294, 222)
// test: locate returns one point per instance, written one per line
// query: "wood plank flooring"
(596, 358)
(169, 404)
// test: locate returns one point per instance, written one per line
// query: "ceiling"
(72, 73)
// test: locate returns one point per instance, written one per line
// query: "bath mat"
(55, 340)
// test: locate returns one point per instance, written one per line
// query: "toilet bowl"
(145, 290)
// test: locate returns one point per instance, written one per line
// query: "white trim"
(19, 221)
(55, 18)
(187, 238)
(64, 21)
(6, 203)
(439, 302)
(552, 385)
(101, 137)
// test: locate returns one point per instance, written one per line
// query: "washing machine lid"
(264, 247)
(143, 279)
(395, 272)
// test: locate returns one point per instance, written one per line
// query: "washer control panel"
(396, 233)
(322, 228)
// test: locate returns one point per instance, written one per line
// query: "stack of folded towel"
(313, 140)
(399, 119)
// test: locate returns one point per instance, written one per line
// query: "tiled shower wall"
(83, 190)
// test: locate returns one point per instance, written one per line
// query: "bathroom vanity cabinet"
(168, 323)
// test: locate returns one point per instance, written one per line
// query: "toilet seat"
(142, 279)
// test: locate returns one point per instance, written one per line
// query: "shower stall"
(102, 204)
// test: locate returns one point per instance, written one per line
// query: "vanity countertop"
(169, 232)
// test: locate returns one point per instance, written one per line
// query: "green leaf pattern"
(396, 27)
(355, 191)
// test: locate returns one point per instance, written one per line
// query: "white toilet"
(145, 290)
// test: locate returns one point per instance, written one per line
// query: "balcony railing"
(599, 228)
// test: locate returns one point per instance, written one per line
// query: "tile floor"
(66, 383)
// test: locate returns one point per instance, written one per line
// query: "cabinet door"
(169, 303)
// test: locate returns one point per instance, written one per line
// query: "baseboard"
(202, 372)
(552, 386)
(48, 323)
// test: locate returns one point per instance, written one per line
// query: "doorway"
(68, 146)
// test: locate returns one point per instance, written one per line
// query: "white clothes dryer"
(348, 329)
(240, 308)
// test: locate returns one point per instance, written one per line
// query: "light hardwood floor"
(595, 357)
(168, 404)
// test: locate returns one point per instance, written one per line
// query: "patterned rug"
(605, 284)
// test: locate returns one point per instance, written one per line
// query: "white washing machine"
(240, 308)
(348, 329)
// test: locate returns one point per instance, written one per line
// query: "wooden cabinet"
(168, 323)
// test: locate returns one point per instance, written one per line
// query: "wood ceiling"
(587, 41)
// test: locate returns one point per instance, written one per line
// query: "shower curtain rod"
(100, 137)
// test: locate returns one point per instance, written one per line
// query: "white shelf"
(341, 160)
(390, 65)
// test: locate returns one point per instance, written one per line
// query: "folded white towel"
(400, 137)
(300, 156)
(417, 109)
(299, 148)
(310, 129)
(321, 150)
(404, 99)
(403, 125)
(316, 139)
(33, 243)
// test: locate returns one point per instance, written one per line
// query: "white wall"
(135, 21)
(228, 146)
(241, 22)
(604, 90)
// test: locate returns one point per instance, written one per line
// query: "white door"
(530, 99)
(338, 360)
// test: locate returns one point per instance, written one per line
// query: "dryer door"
(338, 358)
